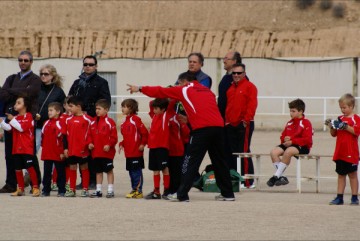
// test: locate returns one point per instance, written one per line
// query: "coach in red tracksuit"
(206, 135)
(239, 118)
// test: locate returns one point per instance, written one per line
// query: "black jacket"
(90, 89)
(57, 95)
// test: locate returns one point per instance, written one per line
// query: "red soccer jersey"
(62, 120)
(347, 147)
(134, 134)
(52, 140)
(192, 96)
(78, 135)
(179, 136)
(159, 130)
(241, 102)
(300, 131)
(22, 127)
(103, 132)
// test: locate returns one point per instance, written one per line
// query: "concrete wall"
(284, 78)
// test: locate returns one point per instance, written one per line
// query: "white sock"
(276, 165)
(281, 168)
(98, 187)
(110, 187)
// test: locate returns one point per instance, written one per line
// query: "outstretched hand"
(132, 88)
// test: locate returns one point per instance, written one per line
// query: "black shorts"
(103, 165)
(344, 168)
(23, 161)
(158, 159)
(73, 160)
(134, 163)
(302, 149)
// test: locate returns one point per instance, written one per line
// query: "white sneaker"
(252, 186)
(242, 186)
(173, 198)
(222, 198)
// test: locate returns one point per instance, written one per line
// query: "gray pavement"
(277, 213)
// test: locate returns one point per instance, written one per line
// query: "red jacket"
(22, 127)
(159, 130)
(52, 141)
(347, 146)
(62, 120)
(192, 96)
(300, 131)
(78, 135)
(103, 132)
(134, 134)
(241, 102)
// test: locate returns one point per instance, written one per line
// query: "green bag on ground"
(207, 181)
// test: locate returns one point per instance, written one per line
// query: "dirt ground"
(277, 213)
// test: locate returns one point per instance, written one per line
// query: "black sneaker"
(96, 194)
(7, 189)
(45, 194)
(165, 194)
(153, 195)
(92, 186)
(272, 181)
(282, 181)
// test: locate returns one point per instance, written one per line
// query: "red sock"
(157, 183)
(20, 179)
(166, 181)
(33, 177)
(54, 176)
(72, 179)
(85, 178)
(67, 174)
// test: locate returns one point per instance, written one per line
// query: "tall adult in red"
(239, 118)
(206, 135)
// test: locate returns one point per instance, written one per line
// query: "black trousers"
(239, 140)
(48, 169)
(209, 139)
(174, 165)
(10, 162)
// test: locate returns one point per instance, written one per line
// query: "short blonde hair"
(347, 99)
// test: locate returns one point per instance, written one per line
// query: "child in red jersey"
(296, 138)
(53, 150)
(104, 138)
(135, 137)
(346, 129)
(78, 139)
(159, 146)
(22, 127)
(62, 120)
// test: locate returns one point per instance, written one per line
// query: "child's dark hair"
(27, 102)
(56, 105)
(187, 76)
(66, 99)
(75, 100)
(131, 104)
(162, 103)
(297, 104)
(103, 103)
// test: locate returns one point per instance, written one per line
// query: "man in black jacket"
(23, 83)
(90, 87)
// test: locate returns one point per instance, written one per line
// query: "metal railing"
(324, 107)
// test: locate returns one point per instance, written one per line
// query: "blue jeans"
(137, 179)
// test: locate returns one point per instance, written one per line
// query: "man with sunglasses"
(24, 83)
(239, 117)
(90, 87)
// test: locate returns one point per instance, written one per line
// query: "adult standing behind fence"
(51, 91)
(239, 118)
(24, 83)
(90, 87)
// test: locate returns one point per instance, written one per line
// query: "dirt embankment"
(170, 29)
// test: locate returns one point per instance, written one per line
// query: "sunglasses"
(86, 64)
(24, 60)
(237, 73)
(45, 74)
